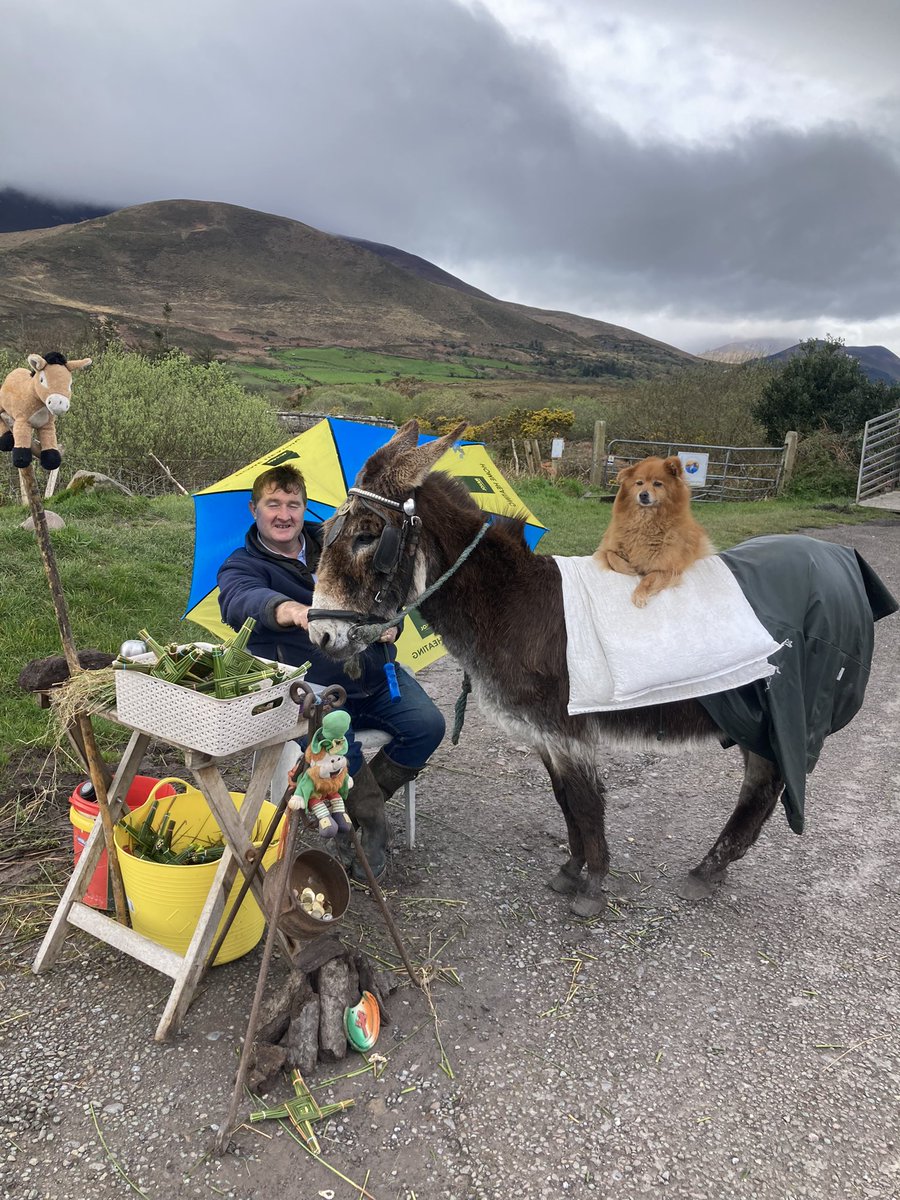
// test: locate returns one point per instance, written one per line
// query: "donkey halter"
(395, 555)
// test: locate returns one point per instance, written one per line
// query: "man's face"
(279, 519)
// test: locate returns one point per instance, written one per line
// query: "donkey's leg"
(760, 790)
(585, 797)
(568, 878)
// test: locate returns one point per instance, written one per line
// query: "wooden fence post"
(598, 457)
(515, 456)
(789, 459)
(536, 451)
(529, 457)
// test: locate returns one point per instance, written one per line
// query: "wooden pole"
(52, 477)
(789, 459)
(598, 458)
(96, 766)
(181, 489)
(283, 880)
(385, 911)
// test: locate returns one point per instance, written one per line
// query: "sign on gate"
(695, 465)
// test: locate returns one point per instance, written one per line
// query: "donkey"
(501, 616)
(31, 400)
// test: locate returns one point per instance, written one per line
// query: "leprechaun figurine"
(323, 786)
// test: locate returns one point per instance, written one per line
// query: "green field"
(336, 364)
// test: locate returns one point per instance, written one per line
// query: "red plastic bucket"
(83, 812)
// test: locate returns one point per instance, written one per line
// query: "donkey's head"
(371, 563)
(52, 379)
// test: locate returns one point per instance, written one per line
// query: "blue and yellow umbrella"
(331, 455)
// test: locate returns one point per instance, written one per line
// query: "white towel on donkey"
(691, 640)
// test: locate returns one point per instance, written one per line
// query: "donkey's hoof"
(564, 883)
(588, 906)
(697, 887)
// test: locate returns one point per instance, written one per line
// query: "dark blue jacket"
(253, 582)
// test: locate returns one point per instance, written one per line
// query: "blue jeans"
(414, 722)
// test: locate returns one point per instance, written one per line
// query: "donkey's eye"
(362, 541)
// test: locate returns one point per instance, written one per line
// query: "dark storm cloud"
(424, 124)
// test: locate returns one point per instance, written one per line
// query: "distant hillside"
(418, 266)
(879, 364)
(601, 337)
(744, 351)
(244, 280)
(20, 210)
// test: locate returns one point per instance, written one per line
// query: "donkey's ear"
(407, 436)
(381, 462)
(36, 362)
(412, 468)
(79, 364)
(401, 465)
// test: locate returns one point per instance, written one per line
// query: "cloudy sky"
(697, 171)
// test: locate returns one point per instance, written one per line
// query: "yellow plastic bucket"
(165, 901)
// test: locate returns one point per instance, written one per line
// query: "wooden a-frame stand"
(186, 970)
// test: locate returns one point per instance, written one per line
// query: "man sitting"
(272, 579)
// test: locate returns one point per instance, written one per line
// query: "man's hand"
(390, 635)
(291, 612)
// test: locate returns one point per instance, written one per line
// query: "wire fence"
(140, 475)
(734, 472)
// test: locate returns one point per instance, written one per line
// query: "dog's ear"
(674, 466)
(625, 474)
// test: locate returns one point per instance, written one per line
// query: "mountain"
(744, 351)
(879, 364)
(241, 280)
(20, 210)
(418, 266)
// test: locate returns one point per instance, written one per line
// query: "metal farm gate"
(734, 472)
(879, 464)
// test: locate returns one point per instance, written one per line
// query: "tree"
(821, 387)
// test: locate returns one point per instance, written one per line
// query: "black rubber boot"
(390, 776)
(365, 804)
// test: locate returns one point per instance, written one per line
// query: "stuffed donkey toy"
(30, 402)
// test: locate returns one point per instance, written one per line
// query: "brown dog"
(652, 532)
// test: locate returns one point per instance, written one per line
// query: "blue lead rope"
(390, 674)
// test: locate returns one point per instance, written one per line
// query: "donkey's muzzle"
(332, 631)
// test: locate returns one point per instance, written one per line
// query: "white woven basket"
(188, 718)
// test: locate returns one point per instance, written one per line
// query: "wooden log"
(376, 982)
(302, 1038)
(353, 989)
(267, 1067)
(275, 1010)
(332, 1002)
(316, 953)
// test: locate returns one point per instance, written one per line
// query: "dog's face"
(652, 483)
